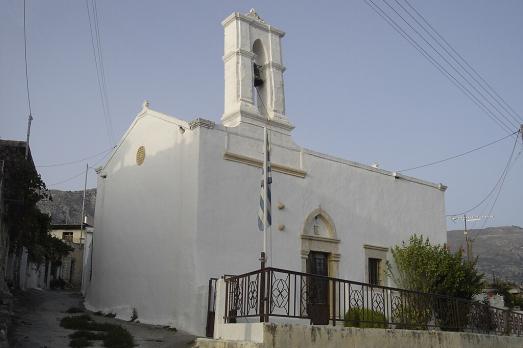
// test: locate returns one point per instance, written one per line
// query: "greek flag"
(265, 167)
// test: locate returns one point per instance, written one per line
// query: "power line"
(500, 179)
(452, 65)
(101, 61)
(435, 63)
(66, 180)
(25, 59)
(78, 174)
(30, 117)
(513, 113)
(447, 61)
(76, 161)
(457, 156)
(501, 186)
(98, 61)
(462, 87)
(483, 211)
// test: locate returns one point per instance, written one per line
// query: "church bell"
(258, 81)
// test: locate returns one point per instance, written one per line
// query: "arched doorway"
(319, 236)
(320, 256)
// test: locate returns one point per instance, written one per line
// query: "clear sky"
(354, 87)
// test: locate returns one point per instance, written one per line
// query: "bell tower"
(254, 90)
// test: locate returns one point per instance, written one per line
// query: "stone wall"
(308, 336)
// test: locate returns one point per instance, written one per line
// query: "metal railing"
(274, 292)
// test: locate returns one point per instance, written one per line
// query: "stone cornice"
(254, 22)
(278, 122)
(394, 175)
(259, 163)
(319, 239)
(375, 247)
(238, 52)
(274, 65)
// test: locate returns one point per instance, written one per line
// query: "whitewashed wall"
(187, 214)
(145, 225)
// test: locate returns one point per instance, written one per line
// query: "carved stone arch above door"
(319, 235)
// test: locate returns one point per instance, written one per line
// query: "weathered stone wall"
(307, 336)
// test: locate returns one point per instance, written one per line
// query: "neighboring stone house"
(177, 201)
(16, 269)
(71, 268)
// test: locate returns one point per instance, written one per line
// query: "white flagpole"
(265, 191)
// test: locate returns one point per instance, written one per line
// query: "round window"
(140, 155)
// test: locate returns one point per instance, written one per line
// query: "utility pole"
(82, 239)
(83, 204)
(469, 240)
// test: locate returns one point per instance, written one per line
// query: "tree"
(27, 226)
(424, 267)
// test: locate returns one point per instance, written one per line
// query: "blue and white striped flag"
(264, 199)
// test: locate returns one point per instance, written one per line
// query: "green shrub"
(79, 322)
(88, 335)
(365, 318)
(113, 336)
(412, 315)
(118, 337)
(80, 343)
(74, 310)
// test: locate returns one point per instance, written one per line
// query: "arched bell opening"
(260, 84)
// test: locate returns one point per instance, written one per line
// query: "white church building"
(177, 201)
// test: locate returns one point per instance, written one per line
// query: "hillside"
(66, 206)
(499, 250)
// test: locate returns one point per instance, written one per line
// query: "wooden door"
(318, 288)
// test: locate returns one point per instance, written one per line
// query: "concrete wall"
(87, 260)
(32, 275)
(307, 336)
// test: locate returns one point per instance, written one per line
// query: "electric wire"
(101, 63)
(484, 209)
(495, 186)
(508, 110)
(26, 72)
(77, 175)
(500, 188)
(447, 61)
(75, 161)
(435, 63)
(100, 73)
(457, 156)
(513, 113)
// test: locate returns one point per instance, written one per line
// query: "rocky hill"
(499, 250)
(66, 206)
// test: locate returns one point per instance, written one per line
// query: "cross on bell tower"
(254, 92)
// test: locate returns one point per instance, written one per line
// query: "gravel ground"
(37, 315)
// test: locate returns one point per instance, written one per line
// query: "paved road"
(37, 323)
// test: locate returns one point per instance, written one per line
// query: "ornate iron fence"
(274, 292)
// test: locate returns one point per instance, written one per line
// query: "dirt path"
(37, 315)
